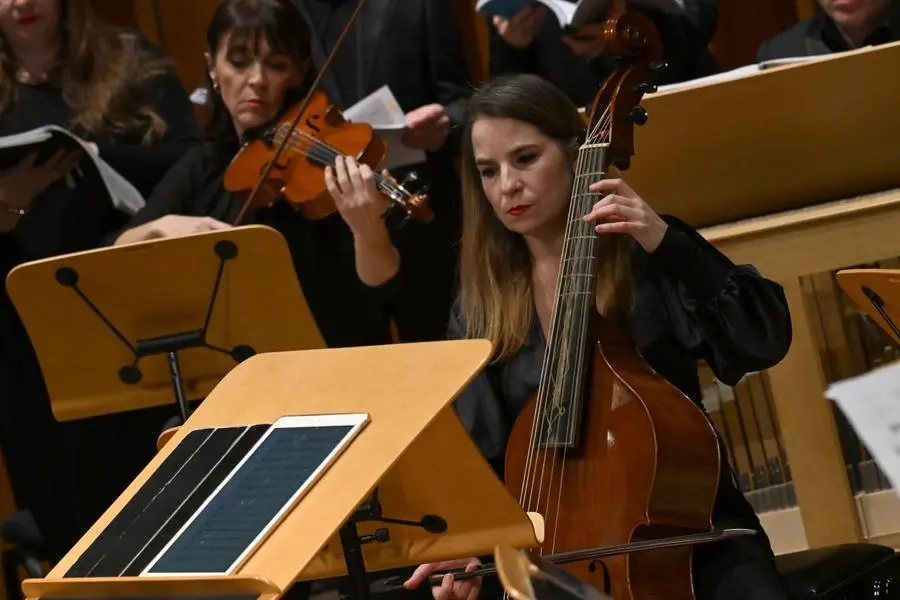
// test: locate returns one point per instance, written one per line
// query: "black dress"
(691, 303)
(68, 474)
(347, 311)
(684, 38)
(415, 48)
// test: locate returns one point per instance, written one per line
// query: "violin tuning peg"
(645, 88)
(409, 179)
(658, 65)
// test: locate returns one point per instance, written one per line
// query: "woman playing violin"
(678, 296)
(258, 59)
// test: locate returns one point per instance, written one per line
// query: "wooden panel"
(116, 12)
(744, 24)
(474, 29)
(184, 32)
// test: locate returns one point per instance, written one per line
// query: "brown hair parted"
(101, 74)
(496, 299)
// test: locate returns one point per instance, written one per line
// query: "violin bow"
(312, 88)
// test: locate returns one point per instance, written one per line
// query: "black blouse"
(684, 39)
(691, 302)
(82, 465)
(347, 311)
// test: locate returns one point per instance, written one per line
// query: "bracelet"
(19, 212)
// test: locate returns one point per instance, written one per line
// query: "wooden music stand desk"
(877, 293)
(119, 328)
(718, 151)
(413, 449)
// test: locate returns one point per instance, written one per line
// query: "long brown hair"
(101, 76)
(496, 298)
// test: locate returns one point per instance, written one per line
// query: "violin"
(288, 159)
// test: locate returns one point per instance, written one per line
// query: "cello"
(608, 451)
(622, 466)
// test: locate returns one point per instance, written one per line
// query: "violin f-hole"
(311, 125)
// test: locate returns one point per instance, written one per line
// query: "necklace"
(29, 78)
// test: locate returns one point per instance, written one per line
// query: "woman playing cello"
(680, 299)
(258, 57)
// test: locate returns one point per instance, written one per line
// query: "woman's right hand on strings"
(449, 589)
(21, 184)
(519, 31)
(179, 226)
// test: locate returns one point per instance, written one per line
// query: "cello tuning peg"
(658, 65)
(645, 88)
(638, 115)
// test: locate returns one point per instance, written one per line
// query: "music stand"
(414, 452)
(118, 329)
(877, 293)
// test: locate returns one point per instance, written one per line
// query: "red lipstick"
(517, 210)
(27, 20)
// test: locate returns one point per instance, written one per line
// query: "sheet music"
(381, 110)
(871, 403)
(125, 197)
(751, 69)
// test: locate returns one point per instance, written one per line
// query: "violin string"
(556, 366)
(328, 156)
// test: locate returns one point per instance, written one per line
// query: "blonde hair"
(101, 76)
(496, 298)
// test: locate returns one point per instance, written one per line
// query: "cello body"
(648, 467)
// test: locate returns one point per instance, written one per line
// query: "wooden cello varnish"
(618, 453)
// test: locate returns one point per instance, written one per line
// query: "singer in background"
(60, 65)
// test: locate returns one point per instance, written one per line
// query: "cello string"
(578, 290)
(551, 365)
(565, 310)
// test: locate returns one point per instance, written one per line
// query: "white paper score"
(871, 402)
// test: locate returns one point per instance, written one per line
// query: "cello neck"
(560, 395)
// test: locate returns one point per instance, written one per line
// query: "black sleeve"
(143, 165)
(387, 295)
(172, 196)
(447, 61)
(730, 316)
(505, 59)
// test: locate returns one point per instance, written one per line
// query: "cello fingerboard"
(562, 382)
